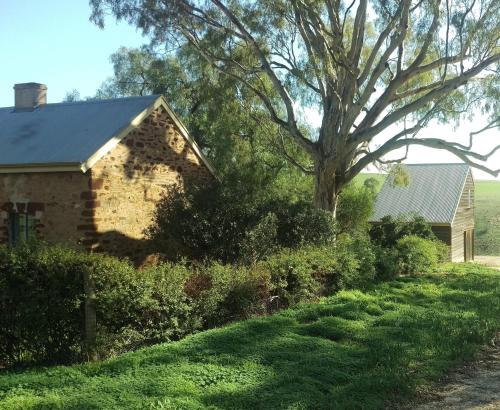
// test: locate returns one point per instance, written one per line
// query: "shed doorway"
(469, 245)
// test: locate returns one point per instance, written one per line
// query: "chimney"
(29, 96)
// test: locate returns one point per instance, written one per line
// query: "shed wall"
(464, 220)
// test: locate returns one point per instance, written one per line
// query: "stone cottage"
(90, 173)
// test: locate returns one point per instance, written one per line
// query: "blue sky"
(53, 42)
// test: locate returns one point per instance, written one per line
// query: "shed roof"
(72, 135)
(433, 192)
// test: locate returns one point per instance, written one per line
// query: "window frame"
(21, 228)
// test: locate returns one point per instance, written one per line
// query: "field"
(487, 203)
(488, 218)
(356, 349)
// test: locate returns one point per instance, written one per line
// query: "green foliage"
(390, 230)
(356, 256)
(137, 308)
(416, 255)
(386, 263)
(43, 292)
(236, 220)
(356, 205)
(261, 240)
(399, 176)
(41, 296)
(368, 350)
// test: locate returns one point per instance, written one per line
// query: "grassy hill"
(487, 216)
(353, 350)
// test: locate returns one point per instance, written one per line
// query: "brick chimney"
(29, 96)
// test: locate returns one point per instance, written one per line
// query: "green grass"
(352, 350)
(487, 216)
(361, 178)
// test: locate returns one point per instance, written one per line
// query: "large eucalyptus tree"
(367, 66)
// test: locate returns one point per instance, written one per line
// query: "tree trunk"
(325, 189)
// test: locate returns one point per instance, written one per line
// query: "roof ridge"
(95, 101)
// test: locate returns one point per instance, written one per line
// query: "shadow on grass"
(353, 350)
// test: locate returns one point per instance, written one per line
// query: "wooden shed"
(443, 194)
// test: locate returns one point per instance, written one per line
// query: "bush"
(416, 255)
(137, 308)
(386, 263)
(355, 207)
(356, 258)
(42, 303)
(390, 230)
(42, 296)
(41, 300)
(217, 223)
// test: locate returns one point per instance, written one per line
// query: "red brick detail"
(88, 195)
(92, 204)
(96, 183)
(88, 212)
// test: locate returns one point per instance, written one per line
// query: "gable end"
(135, 123)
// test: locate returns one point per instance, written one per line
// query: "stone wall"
(108, 208)
(55, 200)
(128, 182)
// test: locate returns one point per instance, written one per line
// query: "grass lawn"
(352, 350)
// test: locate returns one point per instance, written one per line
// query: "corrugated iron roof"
(65, 132)
(433, 192)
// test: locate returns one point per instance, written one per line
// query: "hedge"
(42, 297)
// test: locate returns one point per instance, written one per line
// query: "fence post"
(90, 317)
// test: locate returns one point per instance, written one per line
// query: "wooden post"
(90, 317)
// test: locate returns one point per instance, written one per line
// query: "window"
(21, 228)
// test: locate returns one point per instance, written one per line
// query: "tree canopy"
(365, 66)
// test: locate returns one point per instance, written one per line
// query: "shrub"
(41, 305)
(386, 263)
(355, 207)
(216, 223)
(356, 258)
(226, 293)
(42, 296)
(390, 230)
(416, 255)
(293, 273)
(261, 240)
(443, 251)
(137, 308)
(300, 224)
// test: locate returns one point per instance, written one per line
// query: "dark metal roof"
(433, 193)
(65, 132)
